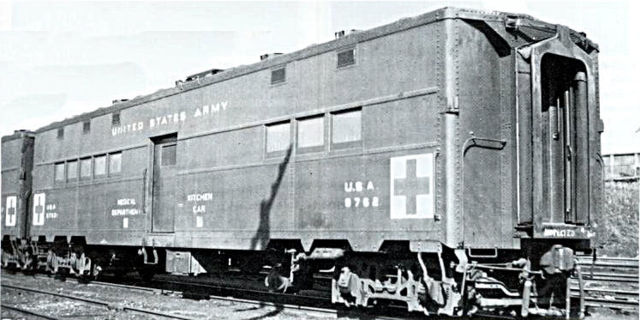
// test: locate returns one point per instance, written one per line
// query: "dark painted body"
(17, 162)
(448, 96)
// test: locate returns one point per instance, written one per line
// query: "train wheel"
(275, 281)
(84, 268)
(5, 259)
(52, 262)
(28, 263)
(95, 269)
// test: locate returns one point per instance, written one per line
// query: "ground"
(617, 228)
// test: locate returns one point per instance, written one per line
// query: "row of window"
(86, 168)
(346, 132)
(344, 58)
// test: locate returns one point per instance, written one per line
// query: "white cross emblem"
(38, 209)
(10, 217)
(412, 187)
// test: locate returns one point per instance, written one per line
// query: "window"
(86, 126)
(100, 165)
(311, 132)
(115, 119)
(115, 163)
(278, 75)
(72, 170)
(60, 133)
(85, 168)
(59, 172)
(346, 58)
(168, 155)
(278, 136)
(346, 127)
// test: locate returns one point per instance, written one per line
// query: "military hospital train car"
(421, 145)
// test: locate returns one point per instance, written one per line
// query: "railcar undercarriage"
(447, 283)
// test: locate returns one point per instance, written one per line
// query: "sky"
(62, 58)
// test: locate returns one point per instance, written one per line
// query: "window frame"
(93, 171)
(81, 161)
(314, 148)
(284, 78)
(352, 144)
(86, 126)
(115, 119)
(109, 171)
(56, 179)
(279, 152)
(343, 50)
(68, 170)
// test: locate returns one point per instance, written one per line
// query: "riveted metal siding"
(483, 74)
(227, 146)
(405, 77)
(17, 157)
(11, 186)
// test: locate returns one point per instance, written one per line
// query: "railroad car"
(17, 163)
(449, 161)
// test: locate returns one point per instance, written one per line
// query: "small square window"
(278, 136)
(346, 58)
(59, 172)
(346, 129)
(85, 168)
(311, 133)
(100, 165)
(278, 75)
(72, 170)
(168, 155)
(115, 163)
(61, 133)
(115, 119)
(86, 126)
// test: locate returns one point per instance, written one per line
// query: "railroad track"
(171, 288)
(188, 288)
(109, 306)
(608, 282)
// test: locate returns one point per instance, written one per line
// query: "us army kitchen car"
(449, 162)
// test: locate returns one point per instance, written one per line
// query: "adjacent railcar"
(416, 146)
(17, 163)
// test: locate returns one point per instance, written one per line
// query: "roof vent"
(204, 74)
(119, 101)
(512, 22)
(269, 55)
(343, 33)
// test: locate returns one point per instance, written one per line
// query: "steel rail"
(617, 292)
(97, 302)
(610, 279)
(28, 312)
(288, 306)
(611, 303)
(607, 280)
(602, 264)
(608, 258)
